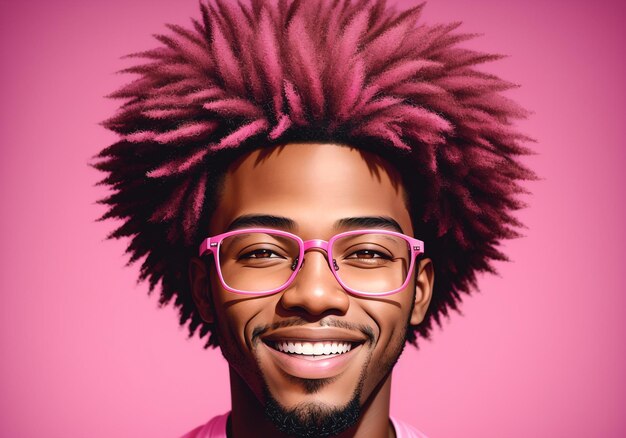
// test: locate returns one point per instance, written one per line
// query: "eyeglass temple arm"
(206, 246)
(417, 246)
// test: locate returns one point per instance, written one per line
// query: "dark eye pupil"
(262, 253)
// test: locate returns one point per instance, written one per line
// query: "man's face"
(314, 187)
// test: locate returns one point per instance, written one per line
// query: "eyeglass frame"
(212, 245)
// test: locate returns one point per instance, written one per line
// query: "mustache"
(326, 322)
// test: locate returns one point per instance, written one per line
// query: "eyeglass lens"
(262, 262)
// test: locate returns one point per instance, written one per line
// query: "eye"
(368, 254)
(260, 254)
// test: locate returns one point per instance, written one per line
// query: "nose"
(315, 290)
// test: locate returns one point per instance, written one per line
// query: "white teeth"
(307, 348)
(318, 349)
(314, 348)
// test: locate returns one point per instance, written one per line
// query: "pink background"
(540, 351)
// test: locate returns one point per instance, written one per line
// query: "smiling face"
(312, 347)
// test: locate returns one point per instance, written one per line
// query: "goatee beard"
(310, 420)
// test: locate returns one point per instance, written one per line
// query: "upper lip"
(314, 334)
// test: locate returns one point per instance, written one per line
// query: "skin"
(314, 185)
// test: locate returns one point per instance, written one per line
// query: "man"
(312, 353)
(296, 175)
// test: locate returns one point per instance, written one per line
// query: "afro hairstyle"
(358, 73)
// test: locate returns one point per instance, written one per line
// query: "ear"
(200, 288)
(423, 290)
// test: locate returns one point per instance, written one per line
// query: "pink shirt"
(216, 428)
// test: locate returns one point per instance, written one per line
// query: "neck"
(247, 418)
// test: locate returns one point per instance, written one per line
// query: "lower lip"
(312, 367)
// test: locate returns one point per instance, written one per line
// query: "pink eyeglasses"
(263, 261)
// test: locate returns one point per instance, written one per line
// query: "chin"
(313, 417)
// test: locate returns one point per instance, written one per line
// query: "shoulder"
(404, 430)
(215, 428)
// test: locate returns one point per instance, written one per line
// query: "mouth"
(313, 350)
(313, 353)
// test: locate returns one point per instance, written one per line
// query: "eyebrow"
(284, 223)
(383, 222)
(262, 221)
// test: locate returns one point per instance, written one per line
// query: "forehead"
(314, 184)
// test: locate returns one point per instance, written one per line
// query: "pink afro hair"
(351, 72)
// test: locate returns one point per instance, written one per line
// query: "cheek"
(391, 312)
(391, 317)
(236, 316)
(230, 315)
(233, 316)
